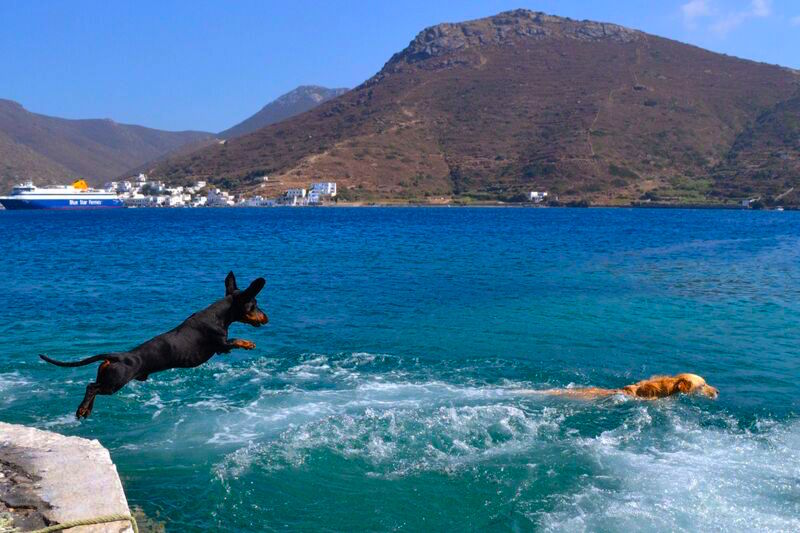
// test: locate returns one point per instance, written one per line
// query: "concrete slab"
(64, 478)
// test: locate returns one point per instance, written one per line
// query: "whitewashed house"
(257, 201)
(218, 198)
(325, 188)
(537, 197)
(137, 200)
(296, 193)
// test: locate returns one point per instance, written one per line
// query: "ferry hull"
(14, 204)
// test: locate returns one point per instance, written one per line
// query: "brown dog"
(648, 389)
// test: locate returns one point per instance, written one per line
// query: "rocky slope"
(491, 108)
(293, 103)
(56, 150)
(764, 160)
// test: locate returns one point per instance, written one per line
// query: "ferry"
(76, 196)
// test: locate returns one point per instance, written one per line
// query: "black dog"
(191, 344)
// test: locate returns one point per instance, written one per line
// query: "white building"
(536, 196)
(257, 201)
(296, 193)
(144, 193)
(137, 200)
(325, 188)
(175, 200)
(218, 198)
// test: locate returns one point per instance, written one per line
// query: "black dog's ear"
(251, 291)
(230, 284)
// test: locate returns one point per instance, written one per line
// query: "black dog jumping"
(191, 344)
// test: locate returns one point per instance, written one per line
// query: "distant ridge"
(56, 150)
(491, 108)
(293, 103)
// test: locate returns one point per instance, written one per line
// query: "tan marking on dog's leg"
(247, 345)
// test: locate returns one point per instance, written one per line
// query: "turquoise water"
(383, 393)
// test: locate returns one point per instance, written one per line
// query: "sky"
(206, 65)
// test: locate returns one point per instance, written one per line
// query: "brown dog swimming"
(648, 389)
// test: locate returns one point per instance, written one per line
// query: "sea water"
(384, 394)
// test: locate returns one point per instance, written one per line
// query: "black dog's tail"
(87, 361)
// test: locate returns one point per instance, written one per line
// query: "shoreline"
(481, 205)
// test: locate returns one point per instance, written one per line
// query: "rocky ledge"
(47, 478)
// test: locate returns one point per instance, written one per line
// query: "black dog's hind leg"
(110, 378)
(85, 408)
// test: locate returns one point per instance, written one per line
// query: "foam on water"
(692, 477)
(10, 383)
(680, 463)
(671, 462)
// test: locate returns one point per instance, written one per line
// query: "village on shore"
(142, 191)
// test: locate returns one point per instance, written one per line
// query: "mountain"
(491, 108)
(293, 103)
(56, 150)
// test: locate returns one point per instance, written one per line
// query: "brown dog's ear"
(230, 284)
(250, 292)
(683, 385)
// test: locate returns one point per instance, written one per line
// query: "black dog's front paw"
(83, 412)
(241, 343)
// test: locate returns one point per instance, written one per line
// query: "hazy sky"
(207, 65)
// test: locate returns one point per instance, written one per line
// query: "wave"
(614, 464)
(10, 383)
(679, 463)
(695, 478)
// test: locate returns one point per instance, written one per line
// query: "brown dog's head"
(663, 386)
(244, 306)
(693, 384)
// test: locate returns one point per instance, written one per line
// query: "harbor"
(143, 192)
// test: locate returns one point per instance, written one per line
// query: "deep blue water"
(383, 395)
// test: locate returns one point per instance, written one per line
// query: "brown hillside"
(765, 158)
(491, 108)
(17, 162)
(55, 150)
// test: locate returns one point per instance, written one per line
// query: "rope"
(6, 523)
(90, 522)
